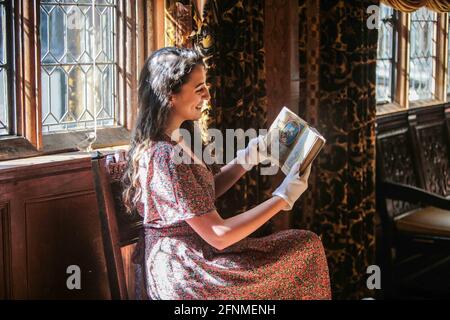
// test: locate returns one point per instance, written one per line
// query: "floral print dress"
(174, 262)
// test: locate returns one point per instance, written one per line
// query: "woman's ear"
(171, 101)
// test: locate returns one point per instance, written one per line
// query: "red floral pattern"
(176, 263)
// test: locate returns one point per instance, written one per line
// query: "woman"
(188, 251)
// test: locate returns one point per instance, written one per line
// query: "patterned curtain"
(413, 5)
(337, 55)
(232, 37)
(230, 34)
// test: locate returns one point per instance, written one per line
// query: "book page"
(291, 139)
(301, 149)
(283, 134)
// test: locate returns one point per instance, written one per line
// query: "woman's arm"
(221, 233)
(227, 177)
(245, 159)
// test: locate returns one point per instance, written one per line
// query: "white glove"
(293, 186)
(255, 153)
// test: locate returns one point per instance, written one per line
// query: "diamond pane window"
(385, 74)
(4, 103)
(78, 66)
(422, 55)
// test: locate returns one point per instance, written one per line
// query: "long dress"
(173, 262)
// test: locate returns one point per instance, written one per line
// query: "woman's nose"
(206, 95)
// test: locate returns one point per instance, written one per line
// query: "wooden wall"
(49, 221)
(282, 71)
(281, 46)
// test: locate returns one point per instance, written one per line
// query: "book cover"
(290, 139)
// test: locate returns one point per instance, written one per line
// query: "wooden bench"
(413, 184)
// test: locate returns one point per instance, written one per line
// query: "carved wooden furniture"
(413, 183)
(118, 229)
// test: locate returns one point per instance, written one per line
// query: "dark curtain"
(231, 36)
(337, 54)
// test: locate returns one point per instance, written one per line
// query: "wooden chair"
(118, 229)
(413, 186)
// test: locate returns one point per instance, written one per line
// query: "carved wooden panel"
(397, 165)
(435, 153)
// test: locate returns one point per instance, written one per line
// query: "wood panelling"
(282, 71)
(282, 80)
(61, 231)
(5, 256)
(54, 223)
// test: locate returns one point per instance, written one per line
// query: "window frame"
(9, 11)
(400, 101)
(446, 47)
(135, 21)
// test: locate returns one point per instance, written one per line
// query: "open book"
(291, 139)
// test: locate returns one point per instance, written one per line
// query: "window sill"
(18, 147)
(388, 108)
(26, 168)
(106, 137)
(427, 103)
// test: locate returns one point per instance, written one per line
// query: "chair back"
(118, 228)
(396, 163)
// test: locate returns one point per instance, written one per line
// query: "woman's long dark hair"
(163, 74)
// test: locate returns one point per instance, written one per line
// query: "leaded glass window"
(385, 75)
(5, 67)
(422, 55)
(78, 66)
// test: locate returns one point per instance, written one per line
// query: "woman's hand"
(293, 186)
(255, 153)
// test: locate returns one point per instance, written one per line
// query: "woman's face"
(188, 103)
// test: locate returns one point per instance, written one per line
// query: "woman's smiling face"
(189, 102)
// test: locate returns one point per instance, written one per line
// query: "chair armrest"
(399, 191)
